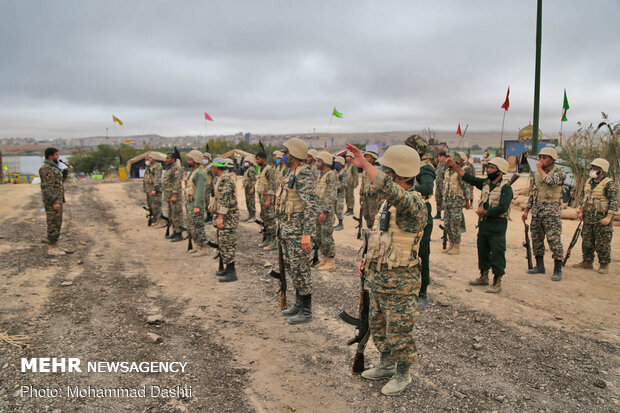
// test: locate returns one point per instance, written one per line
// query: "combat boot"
(328, 265)
(315, 259)
(265, 242)
(251, 218)
(482, 280)
(176, 237)
(349, 212)
(438, 215)
(54, 251)
(209, 218)
(422, 300)
(295, 308)
(271, 246)
(585, 265)
(540, 265)
(448, 248)
(305, 315)
(230, 274)
(497, 284)
(603, 269)
(340, 226)
(399, 381)
(320, 263)
(200, 252)
(557, 270)
(455, 250)
(385, 369)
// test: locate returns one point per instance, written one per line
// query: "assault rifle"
(149, 215)
(361, 323)
(359, 224)
(262, 228)
(280, 275)
(528, 247)
(572, 243)
(444, 237)
(220, 266)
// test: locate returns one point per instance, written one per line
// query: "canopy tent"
(238, 154)
(137, 162)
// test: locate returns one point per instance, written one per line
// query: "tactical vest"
(214, 203)
(544, 192)
(425, 162)
(290, 202)
(493, 197)
(595, 200)
(263, 183)
(190, 187)
(149, 179)
(394, 247)
(321, 188)
(452, 185)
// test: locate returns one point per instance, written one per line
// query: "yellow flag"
(115, 119)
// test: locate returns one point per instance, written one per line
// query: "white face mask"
(147, 163)
(593, 174)
(205, 161)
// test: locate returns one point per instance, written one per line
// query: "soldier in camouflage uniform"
(297, 213)
(598, 208)
(369, 201)
(206, 166)
(326, 192)
(249, 185)
(53, 195)
(392, 264)
(152, 188)
(195, 202)
(351, 185)
(224, 207)
(456, 197)
(173, 190)
(343, 179)
(440, 172)
(311, 162)
(266, 191)
(281, 179)
(545, 202)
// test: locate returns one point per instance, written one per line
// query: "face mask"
(336, 165)
(205, 161)
(593, 174)
(285, 158)
(147, 163)
(492, 175)
(277, 161)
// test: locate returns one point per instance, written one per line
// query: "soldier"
(206, 166)
(343, 179)
(152, 187)
(598, 209)
(485, 162)
(424, 183)
(281, 179)
(545, 202)
(266, 190)
(310, 160)
(493, 212)
(369, 202)
(326, 193)
(351, 185)
(172, 185)
(440, 171)
(249, 182)
(53, 195)
(456, 197)
(298, 212)
(195, 202)
(392, 263)
(224, 206)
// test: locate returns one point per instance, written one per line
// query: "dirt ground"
(538, 346)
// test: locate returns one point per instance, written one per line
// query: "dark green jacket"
(492, 222)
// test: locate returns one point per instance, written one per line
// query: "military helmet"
(500, 163)
(195, 155)
(207, 155)
(459, 156)
(601, 163)
(350, 155)
(418, 143)
(402, 159)
(250, 159)
(313, 153)
(326, 157)
(340, 160)
(431, 153)
(549, 151)
(372, 153)
(220, 163)
(277, 154)
(297, 148)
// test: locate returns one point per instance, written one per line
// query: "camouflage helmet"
(340, 160)
(500, 163)
(601, 163)
(326, 157)
(402, 159)
(207, 155)
(549, 151)
(431, 154)
(458, 156)
(297, 148)
(277, 154)
(418, 143)
(195, 156)
(313, 153)
(229, 163)
(221, 163)
(350, 154)
(372, 153)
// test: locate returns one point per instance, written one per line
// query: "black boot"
(438, 215)
(229, 274)
(349, 212)
(221, 273)
(294, 309)
(315, 259)
(422, 300)
(209, 218)
(176, 237)
(557, 270)
(170, 236)
(339, 227)
(305, 315)
(540, 265)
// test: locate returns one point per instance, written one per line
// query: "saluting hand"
(358, 157)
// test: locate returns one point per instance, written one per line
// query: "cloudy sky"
(281, 66)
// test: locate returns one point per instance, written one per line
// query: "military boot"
(295, 308)
(438, 215)
(340, 226)
(229, 274)
(328, 265)
(209, 218)
(448, 248)
(540, 265)
(305, 315)
(585, 265)
(265, 242)
(482, 280)
(385, 369)
(315, 259)
(171, 235)
(200, 252)
(176, 237)
(271, 246)
(251, 218)
(557, 270)
(603, 269)
(320, 263)
(455, 250)
(497, 284)
(399, 381)
(422, 300)
(349, 212)
(54, 251)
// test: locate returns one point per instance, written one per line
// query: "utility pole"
(537, 79)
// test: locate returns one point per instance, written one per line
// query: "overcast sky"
(281, 66)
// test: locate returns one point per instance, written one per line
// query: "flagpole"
(330, 122)
(501, 136)
(561, 123)
(462, 136)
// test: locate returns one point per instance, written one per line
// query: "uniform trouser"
(197, 226)
(339, 204)
(439, 196)
(485, 166)
(453, 218)
(268, 216)
(54, 222)
(392, 320)
(551, 226)
(325, 232)
(370, 207)
(350, 198)
(596, 238)
(207, 202)
(492, 250)
(425, 251)
(175, 215)
(154, 202)
(227, 237)
(297, 264)
(250, 201)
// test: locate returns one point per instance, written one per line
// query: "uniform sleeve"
(50, 190)
(200, 180)
(557, 178)
(227, 196)
(157, 177)
(344, 180)
(426, 181)
(530, 198)
(504, 202)
(611, 192)
(177, 186)
(306, 189)
(391, 192)
(467, 189)
(270, 174)
(332, 194)
(472, 180)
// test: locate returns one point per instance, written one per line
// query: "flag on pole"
(207, 117)
(458, 131)
(336, 113)
(565, 107)
(115, 119)
(506, 104)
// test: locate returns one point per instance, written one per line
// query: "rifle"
(189, 241)
(528, 247)
(262, 228)
(281, 275)
(215, 245)
(514, 178)
(359, 223)
(168, 224)
(444, 237)
(572, 243)
(361, 323)
(149, 215)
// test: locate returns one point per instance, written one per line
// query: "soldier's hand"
(56, 207)
(524, 217)
(306, 245)
(605, 221)
(481, 213)
(153, 192)
(196, 210)
(358, 156)
(252, 190)
(322, 217)
(267, 203)
(580, 215)
(220, 221)
(467, 204)
(173, 198)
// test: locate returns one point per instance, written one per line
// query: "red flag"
(506, 104)
(458, 131)
(207, 117)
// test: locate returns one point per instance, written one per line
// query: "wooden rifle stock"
(572, 243)
(528, 247)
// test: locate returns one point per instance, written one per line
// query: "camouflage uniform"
(249, 182)
(195, 197)
(52, 192)
(225, 203)
(297, 216)
(326, 192)
(456, 191)
(369, 201)
(351, 184)
(172, 184)
(596, 206)
(266, 185)
(424, 185)
(343, 181)
(440, 171)
(152, 182)
(393, 292)
(546, 211)
(209, 184)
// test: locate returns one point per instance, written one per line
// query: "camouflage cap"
(431, 153)
(457, 157)
(418, 143)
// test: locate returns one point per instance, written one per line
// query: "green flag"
(336, 113)
(565, 107)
